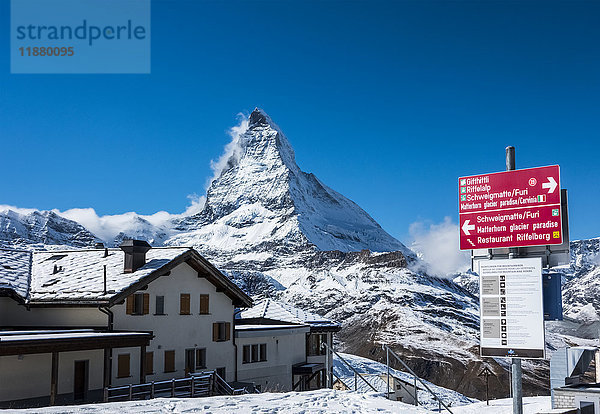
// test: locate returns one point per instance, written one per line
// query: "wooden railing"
(202, 384)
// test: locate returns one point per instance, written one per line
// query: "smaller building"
(305, 332)
(267, 353)
(575, 380)
(398, 390)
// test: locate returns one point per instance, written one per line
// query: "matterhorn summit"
(262, 200)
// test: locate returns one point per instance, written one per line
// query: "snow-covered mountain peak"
(262, 198)
(264, 142)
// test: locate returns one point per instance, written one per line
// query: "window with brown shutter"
(204, 304)
(146, 304)
(184, 304)
(149, 366)
(215, 331)
(129, 305)
(169, 361)
(221, 331)
(123, 366)
(138, 304)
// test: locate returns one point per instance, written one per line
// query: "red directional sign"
(510, 209)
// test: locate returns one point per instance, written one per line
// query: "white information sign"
(511, 308)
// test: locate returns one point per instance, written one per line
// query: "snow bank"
(313, 402)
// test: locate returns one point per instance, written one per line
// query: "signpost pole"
(517, 376)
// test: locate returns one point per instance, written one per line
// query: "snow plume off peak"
(232, 152)
(437, 245)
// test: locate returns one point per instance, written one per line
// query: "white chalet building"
(74, 322)
(77, 321)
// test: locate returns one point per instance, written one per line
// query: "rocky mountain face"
(280, 232)
(42, 228)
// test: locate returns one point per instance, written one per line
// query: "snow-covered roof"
(15, 268)
(78, 275)
(7, 337)
(279, 311)
(266, 327)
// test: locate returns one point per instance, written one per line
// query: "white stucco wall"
(29, 377)
(13, 314)
(285, 347)
(178, 332)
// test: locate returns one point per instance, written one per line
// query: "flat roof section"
(46, 341)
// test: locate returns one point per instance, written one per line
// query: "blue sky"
(386, 102)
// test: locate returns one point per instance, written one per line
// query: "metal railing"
(356, 373)
(416, 378)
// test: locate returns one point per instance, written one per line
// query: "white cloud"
(20, 210)
(232, 151)
(438, 246)
(107, 227)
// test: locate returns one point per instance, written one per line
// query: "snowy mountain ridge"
(258, 200)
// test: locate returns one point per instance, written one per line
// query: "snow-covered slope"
(373, 369)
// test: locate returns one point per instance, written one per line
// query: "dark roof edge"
(236, 291)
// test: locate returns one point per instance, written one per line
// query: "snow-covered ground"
(321, 401)
(373, 368)
(309, 402)
(531, 405)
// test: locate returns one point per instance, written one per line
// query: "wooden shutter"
(169, 361)
(227, 331)
(149, 363)
(123, 366)
(204, 304)
(184, 304)
(146, 304)
(129, 306)
(215, 332)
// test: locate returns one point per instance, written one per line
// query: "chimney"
(135, 254)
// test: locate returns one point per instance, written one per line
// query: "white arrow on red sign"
(550, 185)
(468, 227)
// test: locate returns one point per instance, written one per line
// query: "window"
(190, 361)
(160, 305)
(184, 304)
(204, 305)
(246, 354)
(263, 352)
(123, 366)
(138, 304)
(313, 344)
(221, 373)
(169, 361)
(201, 358)
(221, 331)
(149, 364)
(254, 353)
